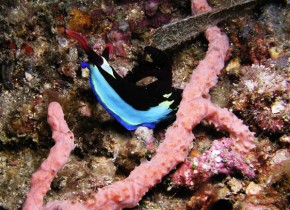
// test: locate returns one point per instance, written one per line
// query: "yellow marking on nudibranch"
(166, 103)
(167, 95)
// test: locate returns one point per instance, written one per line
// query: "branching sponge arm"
(57, 158)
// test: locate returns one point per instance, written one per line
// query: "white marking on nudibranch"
(106, 66)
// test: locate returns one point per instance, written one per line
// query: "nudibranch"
(130, 104)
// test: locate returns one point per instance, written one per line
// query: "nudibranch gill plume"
(130, 104)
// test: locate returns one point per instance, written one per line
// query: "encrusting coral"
(221, 158)
(194, 107)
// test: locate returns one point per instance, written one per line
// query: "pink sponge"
(57, 158)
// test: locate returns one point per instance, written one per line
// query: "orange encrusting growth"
(79, 21)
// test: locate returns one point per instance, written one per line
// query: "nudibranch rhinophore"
(130, 104)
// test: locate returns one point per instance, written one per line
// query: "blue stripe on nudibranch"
(85, 65)
(125, 114)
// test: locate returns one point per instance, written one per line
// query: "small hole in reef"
(3, 208)
(288, 198)
(221, 204)
(218, 178)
